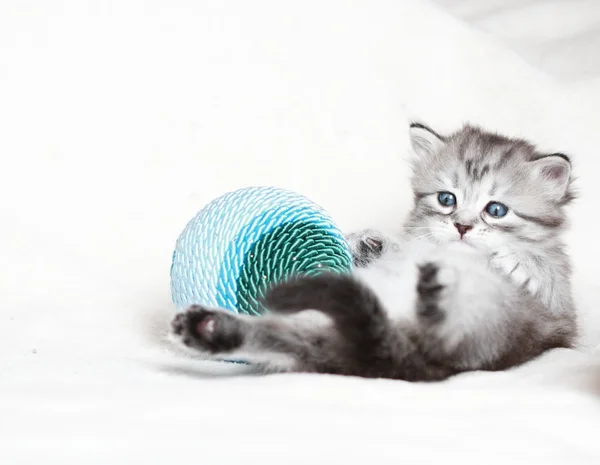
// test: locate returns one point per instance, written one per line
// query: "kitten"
(477, 280)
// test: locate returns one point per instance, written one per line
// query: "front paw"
(207, 330)
(365, 246)
(516, 271)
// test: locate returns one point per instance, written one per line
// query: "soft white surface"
(120, 119)
(560, 37)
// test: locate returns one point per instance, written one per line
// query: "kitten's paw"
(434, 285)
(365, 246)
(207, 330)
(516, 272)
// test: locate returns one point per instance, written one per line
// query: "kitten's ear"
(554, 172)
(425, 141)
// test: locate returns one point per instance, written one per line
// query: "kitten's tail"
(356, 311)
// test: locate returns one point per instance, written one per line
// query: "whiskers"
(434, 233)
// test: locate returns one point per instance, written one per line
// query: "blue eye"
(447, 199)
(496, 209)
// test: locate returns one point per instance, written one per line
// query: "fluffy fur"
(460, 289)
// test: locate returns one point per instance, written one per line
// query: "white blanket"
(561, 37)
(119, 120)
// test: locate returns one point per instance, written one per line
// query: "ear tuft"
(424, 140)
(554, 171)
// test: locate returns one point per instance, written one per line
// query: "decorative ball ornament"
(245, 241)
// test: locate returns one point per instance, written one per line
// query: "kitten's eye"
(447, 199)
(496, 209)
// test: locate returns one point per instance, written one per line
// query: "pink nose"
(462, 228)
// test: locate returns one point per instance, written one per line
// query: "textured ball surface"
(245, 241)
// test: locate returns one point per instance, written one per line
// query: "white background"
(561, 37)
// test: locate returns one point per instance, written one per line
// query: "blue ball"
(245, 241)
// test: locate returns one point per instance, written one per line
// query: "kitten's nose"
(462, 228)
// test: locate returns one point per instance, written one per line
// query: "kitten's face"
(488, 191)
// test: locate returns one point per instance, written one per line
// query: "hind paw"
(211, 331)
(433, 288)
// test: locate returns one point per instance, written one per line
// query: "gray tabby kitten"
(478, 280)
